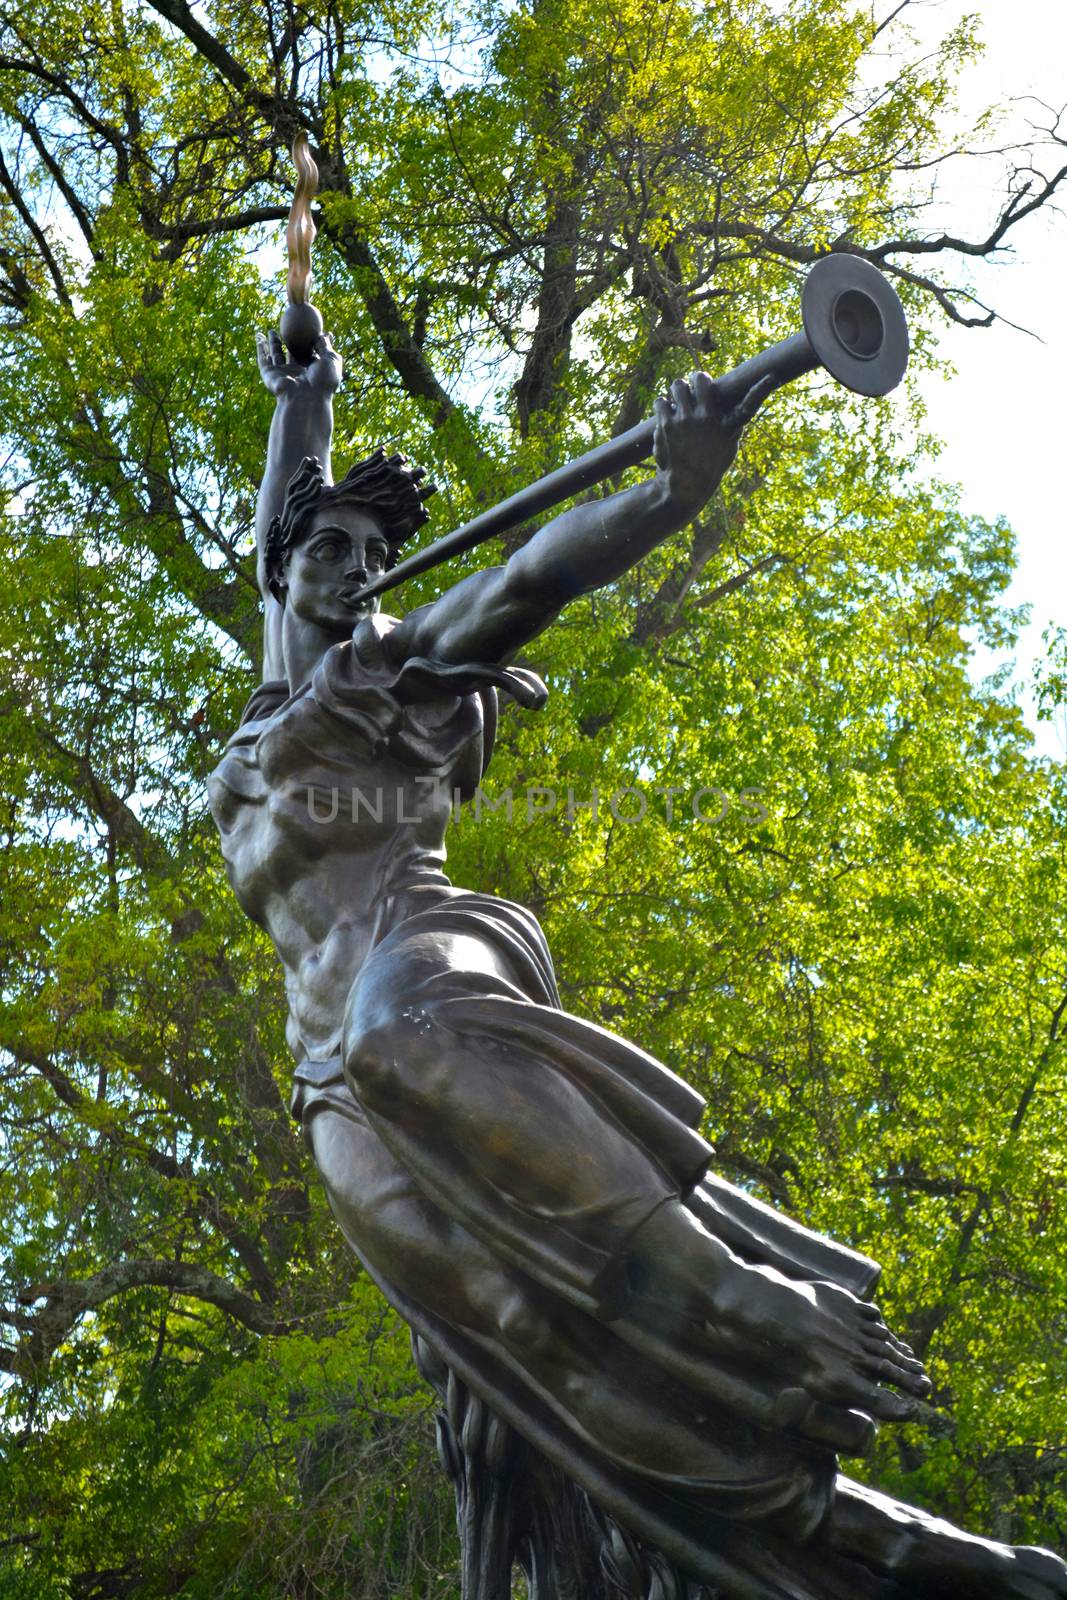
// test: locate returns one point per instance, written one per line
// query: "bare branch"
(1021, 204)
(943, 296)
(885, 22)
(180, 232)
(1016, 209)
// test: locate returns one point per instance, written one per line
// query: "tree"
(531, 218)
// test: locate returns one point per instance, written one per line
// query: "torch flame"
(300, 232)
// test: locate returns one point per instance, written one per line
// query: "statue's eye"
(328, 550)
(375, 558)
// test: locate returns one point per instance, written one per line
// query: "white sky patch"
(1003, 415)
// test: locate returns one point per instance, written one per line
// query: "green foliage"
(533, 216)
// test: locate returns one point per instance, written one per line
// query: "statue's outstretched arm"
(491, 615)
(302, 426)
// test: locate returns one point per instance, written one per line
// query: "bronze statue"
(652, 1372)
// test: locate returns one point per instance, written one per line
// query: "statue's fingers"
(277, 349)
(323, 351)
(884, 1371)
(880, 1367)
(910, 1363)
(878, 1345)
(682, 395)
(791, 1407)
(662, 411)
(703, 387)
(743, 413)
(891, 1369)
(262, 352)
(917, 1384)
(851, 1432)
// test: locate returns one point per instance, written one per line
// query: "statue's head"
(331, 539)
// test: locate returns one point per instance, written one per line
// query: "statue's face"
(342, 551)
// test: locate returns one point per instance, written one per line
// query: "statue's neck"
(303, 646)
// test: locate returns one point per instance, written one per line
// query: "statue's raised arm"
(302, 426)
(303, 379)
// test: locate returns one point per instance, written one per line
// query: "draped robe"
(489, 1156)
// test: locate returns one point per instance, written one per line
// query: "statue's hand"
(697, 435)
(284, 376)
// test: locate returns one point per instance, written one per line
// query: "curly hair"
(383, 485)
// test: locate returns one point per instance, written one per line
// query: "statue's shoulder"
(237, 781)
(419, 680)
(262, 705)
(369, 636)
(274, 693)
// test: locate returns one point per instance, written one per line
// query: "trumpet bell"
(855, 324)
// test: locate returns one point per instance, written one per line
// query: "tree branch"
(104, 130)
(287, 118)
(398, 340)
(35, 230)
(180, 16)
(741, 579)
(230, 605)
(204, 1203)
(128, 829)
(179, 233)
(67, 1301)
(885, 22)
(1020, 205)
(660, 616)
(932, 1319)
(59, 178)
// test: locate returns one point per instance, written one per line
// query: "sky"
(1003, 414)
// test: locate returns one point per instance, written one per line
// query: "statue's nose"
(357, 574)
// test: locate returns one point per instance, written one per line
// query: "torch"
(301, 324)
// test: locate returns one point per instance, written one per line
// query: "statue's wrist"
(686, 493)
(301, 397)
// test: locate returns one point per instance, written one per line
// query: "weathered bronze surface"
(646, 1375)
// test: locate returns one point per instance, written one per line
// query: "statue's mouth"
(353, 599)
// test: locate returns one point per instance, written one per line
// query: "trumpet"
(853, 327)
